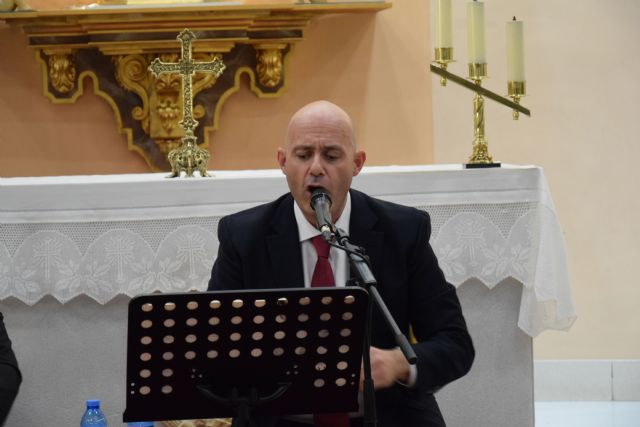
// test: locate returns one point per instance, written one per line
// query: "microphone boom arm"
(360, 264)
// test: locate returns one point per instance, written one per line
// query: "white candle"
(475, 33)
(443, 24)
(515, 51)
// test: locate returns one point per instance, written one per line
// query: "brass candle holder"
(477, 72)
(480, 157)
(516, 90)
(444, 55)
(480, 152)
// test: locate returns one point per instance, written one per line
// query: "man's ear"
(358, 160)
(282, 158)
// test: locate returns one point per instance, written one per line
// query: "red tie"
(323, 277)
(322, 273)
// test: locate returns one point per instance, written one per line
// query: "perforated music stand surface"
(310, 340)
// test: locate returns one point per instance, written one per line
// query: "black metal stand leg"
(370, 415)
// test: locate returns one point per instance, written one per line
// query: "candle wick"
(514, 18)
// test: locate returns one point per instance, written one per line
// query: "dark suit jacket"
(259, 248)
(9, 374)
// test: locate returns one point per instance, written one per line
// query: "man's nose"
(317, 167)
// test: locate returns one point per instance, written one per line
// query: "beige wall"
(39, 138)
(582, 72)
(581, 68)
(371, 64)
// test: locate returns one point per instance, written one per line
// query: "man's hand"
(387, 367)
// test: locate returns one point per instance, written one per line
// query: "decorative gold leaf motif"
(62, 72)
(269, 66)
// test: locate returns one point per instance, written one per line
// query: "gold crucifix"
(189, 156)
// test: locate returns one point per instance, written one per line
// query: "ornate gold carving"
(218, 422)
(93, 37)
(132, 74)
(169, 112)
(62, 72)
(269, 66)
(166, 145)
(161, 108)
(166, 110)
(189, 157)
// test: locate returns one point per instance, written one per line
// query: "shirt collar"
(307, 231)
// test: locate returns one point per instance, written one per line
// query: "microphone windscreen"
(319, 193)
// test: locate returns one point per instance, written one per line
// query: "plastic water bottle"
(93, 416)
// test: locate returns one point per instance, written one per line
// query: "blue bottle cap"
(93, 404)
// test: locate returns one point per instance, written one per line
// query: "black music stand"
(244, 353)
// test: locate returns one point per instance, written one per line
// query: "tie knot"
(322, 247)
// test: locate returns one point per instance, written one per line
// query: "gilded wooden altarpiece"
(115, 45)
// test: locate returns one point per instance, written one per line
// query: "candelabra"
(480, 156)
(516, 85)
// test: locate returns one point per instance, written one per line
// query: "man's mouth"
(311, 188)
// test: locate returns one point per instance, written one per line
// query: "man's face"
(320, 152)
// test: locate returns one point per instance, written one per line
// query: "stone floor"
(588, 414)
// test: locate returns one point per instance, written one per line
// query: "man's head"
(320, 151)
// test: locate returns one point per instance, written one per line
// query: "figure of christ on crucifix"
(189, 156)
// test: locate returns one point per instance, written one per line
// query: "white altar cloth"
(102, 236)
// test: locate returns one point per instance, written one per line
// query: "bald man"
(269, 246)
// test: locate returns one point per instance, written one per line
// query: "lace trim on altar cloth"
(104, 259)
(489, 242)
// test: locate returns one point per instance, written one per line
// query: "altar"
(75, 249)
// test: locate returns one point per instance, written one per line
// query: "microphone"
(321, 204)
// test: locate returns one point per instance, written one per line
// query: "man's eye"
(303, 156)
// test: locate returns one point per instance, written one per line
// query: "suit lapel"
(284, 247)
(362, 232)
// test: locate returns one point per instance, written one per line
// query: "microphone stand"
(360, 264)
